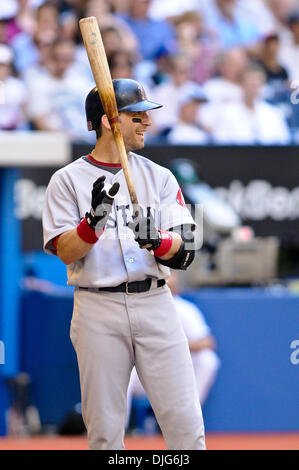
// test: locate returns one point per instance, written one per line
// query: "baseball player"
(123, 311)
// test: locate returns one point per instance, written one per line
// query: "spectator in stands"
(3, 35)
(170, 10)
(277, 79)
(226, 85)
(43, 42)
(25, 49)
(69, 25)
(180, 72)
(259, 13)
(112, 39)
(289, 50)
(56, 103)
(47, 17)
(8, 10)
(23, 21)
(281, 10)
(156, 72)
(267, 15)
(199, 44)
(269, 60)
(77, 7)
(251, 121)
(151, 34)
(187, 131)
(118, 6)
(12, 94)
(121, 64)
(202, 346)
(233, 29)
(101, 10)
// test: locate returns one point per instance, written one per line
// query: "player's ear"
(105, 122)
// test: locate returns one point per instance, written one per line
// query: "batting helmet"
(130, 96)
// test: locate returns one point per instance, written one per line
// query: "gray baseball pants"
(113, 331)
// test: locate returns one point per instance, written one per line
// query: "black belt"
(128, 287)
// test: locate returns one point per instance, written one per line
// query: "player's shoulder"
(68, 170)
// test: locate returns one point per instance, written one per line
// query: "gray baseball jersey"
(116, 258)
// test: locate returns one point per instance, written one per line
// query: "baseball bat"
(99, 65)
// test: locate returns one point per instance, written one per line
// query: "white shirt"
(162, 9)
(236, 124)
(62, 102)
(289, 57)
(168, 94)
(260, 14)
(187, 134)
(13, 96)
(221, 90)
(192, 319)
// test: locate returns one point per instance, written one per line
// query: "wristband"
(165, 245)
(87, 233)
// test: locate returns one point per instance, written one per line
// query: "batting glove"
(101, 203)
(145, 232)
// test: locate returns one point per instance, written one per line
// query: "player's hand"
(101, 203)
(145, 233)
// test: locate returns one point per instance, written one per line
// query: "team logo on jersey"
(180, 198)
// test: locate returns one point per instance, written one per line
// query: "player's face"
(133, 126)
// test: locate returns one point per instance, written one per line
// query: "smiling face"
(133, 126)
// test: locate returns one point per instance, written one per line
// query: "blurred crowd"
(226, 71)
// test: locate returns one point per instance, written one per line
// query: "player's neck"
(106, 151)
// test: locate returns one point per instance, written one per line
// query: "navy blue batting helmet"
(130, 96)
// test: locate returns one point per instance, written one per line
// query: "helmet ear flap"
(94, 110)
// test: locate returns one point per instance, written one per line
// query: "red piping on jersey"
(114, 165)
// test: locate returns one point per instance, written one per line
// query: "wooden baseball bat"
(98, 62)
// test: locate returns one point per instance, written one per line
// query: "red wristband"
(86, 233)
(165, 245)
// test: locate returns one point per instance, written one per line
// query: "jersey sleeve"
(60, 212)
(173, 210)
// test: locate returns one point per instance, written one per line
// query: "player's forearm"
(71, 247)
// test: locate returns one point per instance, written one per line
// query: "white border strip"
(34, 148)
